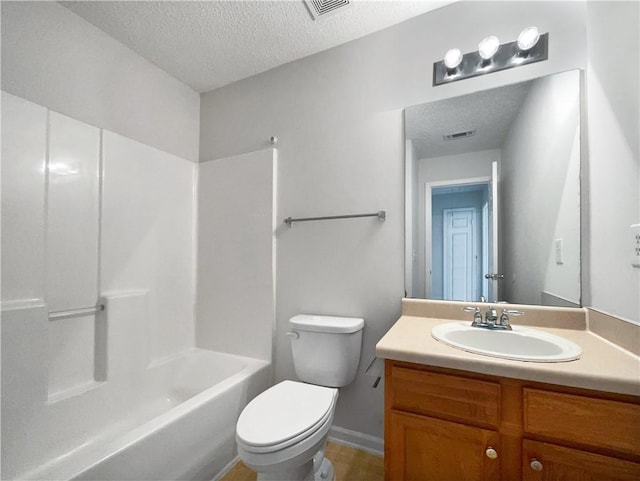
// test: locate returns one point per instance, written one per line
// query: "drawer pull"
(535, 465)
(491, 453)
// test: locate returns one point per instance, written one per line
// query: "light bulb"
(453, 58)
(528, 38)
(488, 47)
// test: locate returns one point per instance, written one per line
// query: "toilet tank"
(326, 349)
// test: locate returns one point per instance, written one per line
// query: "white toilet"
(281, 434)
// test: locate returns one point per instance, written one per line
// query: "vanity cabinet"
(448, 425)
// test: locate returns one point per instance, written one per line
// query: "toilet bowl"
(281, 434)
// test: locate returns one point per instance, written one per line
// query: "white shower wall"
(73, 213)
(148, 217)
(71, 247)
(236, 254)
(109, 216)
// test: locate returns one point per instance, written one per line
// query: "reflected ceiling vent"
(324, 8)
(459, 135)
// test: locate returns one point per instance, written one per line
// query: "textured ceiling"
(213, 43)
(489, 112)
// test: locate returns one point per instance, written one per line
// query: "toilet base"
(325, 471)
(317, 469)
(304, 472)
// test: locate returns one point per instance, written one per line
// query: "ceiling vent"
(324, 8)
(459, 135)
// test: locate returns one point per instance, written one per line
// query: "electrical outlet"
(558, 250)
(635, 238)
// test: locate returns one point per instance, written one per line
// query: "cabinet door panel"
(565, 464)
(428, 449)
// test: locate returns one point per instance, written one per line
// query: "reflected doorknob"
(494, 276)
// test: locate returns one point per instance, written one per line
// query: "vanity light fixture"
(528, 38)
(530, 47)
(488, 47)
(453, 58)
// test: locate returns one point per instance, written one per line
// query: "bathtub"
(174, 421)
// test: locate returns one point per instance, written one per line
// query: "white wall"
(540, 190)
(338, 118)
(236, 254)
(54, 58)
(614, 167)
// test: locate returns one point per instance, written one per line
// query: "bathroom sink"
(521, 344)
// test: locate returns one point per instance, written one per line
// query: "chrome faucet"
(491, 319)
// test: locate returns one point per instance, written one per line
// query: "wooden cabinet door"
(557, 463)
(421, 448)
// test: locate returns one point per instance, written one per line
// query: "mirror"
(493, 195)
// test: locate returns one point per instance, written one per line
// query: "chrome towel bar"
(71, 313)
(380, 215)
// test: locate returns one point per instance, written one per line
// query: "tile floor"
(350, 464)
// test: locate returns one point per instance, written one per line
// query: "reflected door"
(456, 234)
(458, 253)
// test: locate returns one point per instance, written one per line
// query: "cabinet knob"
(491, 453)
(535, 465)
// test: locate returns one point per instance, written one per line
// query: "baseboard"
(366, 442)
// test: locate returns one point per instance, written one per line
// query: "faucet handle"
(477, 315)
(504, 317)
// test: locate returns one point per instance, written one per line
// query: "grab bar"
(382, 215)
(71, 313)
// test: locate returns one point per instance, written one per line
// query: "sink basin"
(521, 344)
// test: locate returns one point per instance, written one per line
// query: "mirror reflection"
(493, 195)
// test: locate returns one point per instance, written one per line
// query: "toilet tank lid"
(333, 324)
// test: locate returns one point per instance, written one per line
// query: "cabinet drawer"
(443, 395)
(595, 422)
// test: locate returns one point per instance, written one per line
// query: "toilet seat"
(283, 415)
